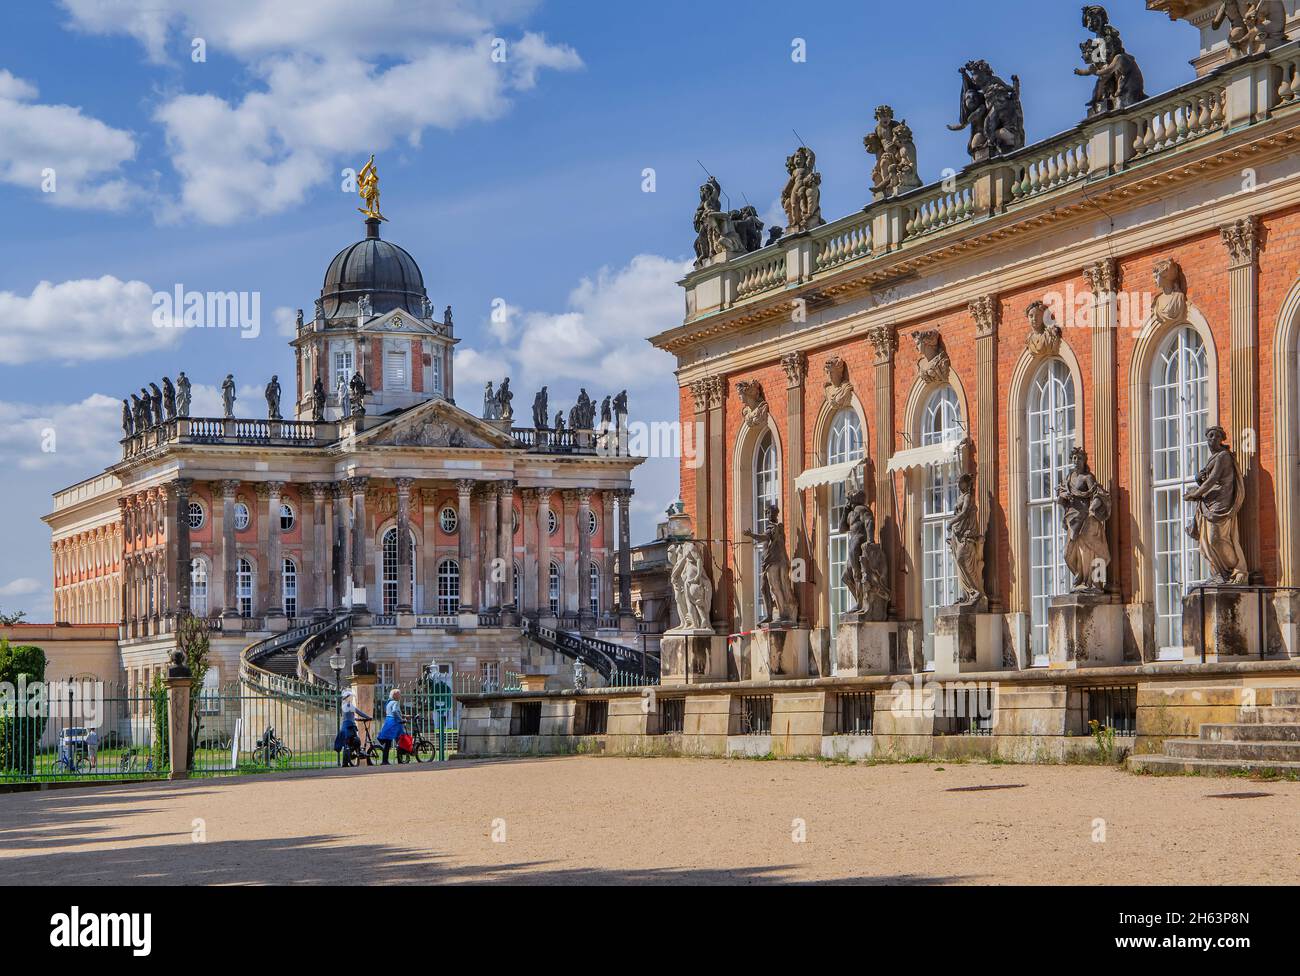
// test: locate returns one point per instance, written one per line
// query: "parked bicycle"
(352, 754)
(71, 764)
(422, 747)
(270, 748)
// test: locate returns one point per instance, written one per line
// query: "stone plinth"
(692, 657)
(1231, 622)
(865, 647)
(1084, 630)
(967, 639)
(778, 652)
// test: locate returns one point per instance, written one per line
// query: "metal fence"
(244, 729)
(89, 731)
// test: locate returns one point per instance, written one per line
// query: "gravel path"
(647, 821)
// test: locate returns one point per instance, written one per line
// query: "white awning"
(932, 455)
(830, 474)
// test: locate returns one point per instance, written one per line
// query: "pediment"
(437, 424)
(399, 321)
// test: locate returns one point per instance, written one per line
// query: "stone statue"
(273, 399)
(299, 321)
(1119, 79)
(318, 401)
(778, 591)
(692, 589)
(183, 395)
(753, 401)
(1253, 25)
(1044, 337)
(715, 234)
(426, 308)
(965, 537)
(774, 234)
(364, 307)
(749, 227)
(1170, 307)
(341, 395)
(891, 143)
(228, 396)
(489, 402)
(838, 389)
(155, 403)
(320, 310)
(357, 395)
(992, 109)
(866, 571)
(579, 675)
(539, 409)
(588, 410)
(1219, 494)
(606, 413)
(801, 198)
(139, 418)
(446, 320)
(128, 420)
(505, 399)
(559, 421)
(169, 399)
(934, 364)
(1086, 507)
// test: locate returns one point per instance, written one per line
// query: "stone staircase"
(1264, 739)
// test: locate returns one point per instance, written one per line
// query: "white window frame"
(767, 489)
(289, 587)
(448, 587)
(940, 423)
(343, 361)
(449, 520)
(244, 577)
(388, 586)
(195, 515)
(553, 588)
(397, 365)
(844, 443)
(199, 587)
(242, 514)
(1049, 438)
(593, 583)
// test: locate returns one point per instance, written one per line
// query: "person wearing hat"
(394, 725)
(348, 729)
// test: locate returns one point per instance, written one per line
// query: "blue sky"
(518, 180)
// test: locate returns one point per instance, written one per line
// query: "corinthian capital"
(986, 311)
(1102, 277)
(884, 339)
(1241, 238)
(795, 365)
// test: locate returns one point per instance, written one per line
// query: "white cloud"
(333, 87)
(81, 155)
(23, 586)
(80, 437)
(81, 320)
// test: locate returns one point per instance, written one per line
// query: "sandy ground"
(651, 821)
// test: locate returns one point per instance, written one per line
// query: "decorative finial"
(368, 190)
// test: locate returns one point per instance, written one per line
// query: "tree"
(11, 618)
(20, 731)
(192, 642)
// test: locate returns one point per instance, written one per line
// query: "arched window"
(766, 492)
(289, 586)
(198, 588)
(940, 424)
(843, 444)
(244, 587)
(514, 588)
(390, 570)
(1180, 413)
(448, 587)
(554, 589)
(1049, 416)
(593, 593)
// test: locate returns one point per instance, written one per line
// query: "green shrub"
(20, 734)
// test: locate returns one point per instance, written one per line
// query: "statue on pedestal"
(128, 421)
(139, 414)
(692, 589)
(539, 409)
(866, 570)
(801, 198)
(228, 396)
(318, 401)
(992, 109)
(504, 410)
(273, 399)
(777, 590)
(1119, 79)
(183, 395)
(749, 227)
(965, 536)
(1219, 494)
(489, 402)
(715, 233)
(357, 396)
(169, 399)
(1087, 509)
(891, 143)
(1254, 26)
(155, 403)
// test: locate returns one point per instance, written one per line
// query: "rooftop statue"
(318, 401)
(504, 401)
(368, 190)
(620, 407)
(169, 399)
(139, 414)
(228, 396)
(715, 233)
(749, 227)
(365, 307)
(540, 409)
(155, 403)
(1086, 507)
(992, 109)
(895, 151)
(489, 402)
(273, 399)
(1219, 494)
(357, 395)
(128, 420)
(802, 197)
(183, 395)
(1119, 79)
(1253, 25)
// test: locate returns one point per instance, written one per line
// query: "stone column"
(124, 576)
(229, 556)
(465, 545)
(569, 536)
(273, 555)
(795, 365)
(608, 534)
(987, 313)
(403, 544)
(584, 559)
(491, 540)
(544, 551)
(624, 496)
(343, 528)
(178, 719)
(321, 553)
(506, 544)
(1242, 239)
(179, 500)
(1103, 281)
(360, 550)
(884, 340)
(718, 532)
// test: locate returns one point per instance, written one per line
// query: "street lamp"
(337, 662)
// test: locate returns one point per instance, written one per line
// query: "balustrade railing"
(762, 276)
(843, 244)
(1047, 171)
(938, 210)
(1176, 121)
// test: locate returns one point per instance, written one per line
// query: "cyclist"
(394, 724)
(348, 730)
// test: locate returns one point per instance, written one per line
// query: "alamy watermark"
(181, 309)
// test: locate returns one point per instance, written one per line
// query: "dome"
(374, 267)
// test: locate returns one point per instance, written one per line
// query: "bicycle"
(71, 765)
(371, 753)
(269, 749)
(422, 747)
(127, 762)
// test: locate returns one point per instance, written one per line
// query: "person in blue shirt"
(394, 724)
(348, 729)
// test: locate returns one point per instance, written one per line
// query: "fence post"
(178, 717)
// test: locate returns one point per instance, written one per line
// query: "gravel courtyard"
(647, 821)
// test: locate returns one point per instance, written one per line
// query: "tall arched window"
(1180, 413)
(593, 593)
(844, 444)
(941, 423)
(198, 588)
(289, 587)
(766, 492)
(514, 588)
(1051, 437)
(244, 587)
(390, 570)
(448, 587)
(554, 589)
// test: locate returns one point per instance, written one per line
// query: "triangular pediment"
(398, 321)
(437, 423)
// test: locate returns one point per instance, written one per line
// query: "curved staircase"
(287, 657)
(1265, 739)
(603, 657)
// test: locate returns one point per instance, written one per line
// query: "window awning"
(929, 456)
(830, 474)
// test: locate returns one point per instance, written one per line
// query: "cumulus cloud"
(79, 437)
(23, 586)
(70, 158)
(330, 88)
(82, 320)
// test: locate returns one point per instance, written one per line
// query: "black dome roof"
(374, 267)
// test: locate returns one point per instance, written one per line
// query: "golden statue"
(368, 189)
